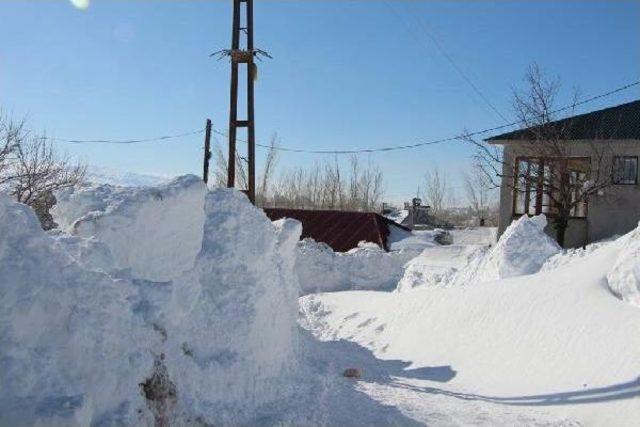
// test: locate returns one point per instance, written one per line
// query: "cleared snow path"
(391, 393)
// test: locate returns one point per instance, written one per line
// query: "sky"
(344, 74)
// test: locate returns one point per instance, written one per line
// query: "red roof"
(342, 230)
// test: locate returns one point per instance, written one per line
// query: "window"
(625, 170)
(539, 180)
(529, 194)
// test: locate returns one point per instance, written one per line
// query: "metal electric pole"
(242, 56)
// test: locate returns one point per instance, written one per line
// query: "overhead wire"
(350, 151)
(127, 141)
(444, 53)
(437, 141)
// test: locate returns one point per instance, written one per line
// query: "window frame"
(613, 170)
(539, 202)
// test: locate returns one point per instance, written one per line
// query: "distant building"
(418, 216)
(342, 230)
(616, 210)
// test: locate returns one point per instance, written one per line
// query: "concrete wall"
(615, 211)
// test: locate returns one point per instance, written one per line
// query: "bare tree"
(326, 185)
(549, 179)
(478, 193)
(37, 172)
(437, 192)
(268, 170)
(11, 133)
(221, 167)
(371, 187)
(31, 169)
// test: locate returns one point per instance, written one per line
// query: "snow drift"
(232, 337)
(438, 266)
(624, 277)
(154, 231)
(71, 350)
(320, 269)
(87, 339)
(522, 249)
(554, 345)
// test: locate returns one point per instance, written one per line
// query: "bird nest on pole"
(240, 55)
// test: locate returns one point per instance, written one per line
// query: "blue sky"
(344, 74)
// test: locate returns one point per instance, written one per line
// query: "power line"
(442, 140)
(353, 151)
(126, 141)
(444, 53)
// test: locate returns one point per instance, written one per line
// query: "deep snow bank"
(522, 249)
(154, 231)
(437, 266)
(320, 269)
(624, 277)
(217, 345)
(232, 338)
(71, 350)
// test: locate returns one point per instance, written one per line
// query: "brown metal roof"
(342, 230)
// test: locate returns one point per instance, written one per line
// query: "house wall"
(615, 211)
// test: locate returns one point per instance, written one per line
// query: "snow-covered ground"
(176, 305)
(557, 347)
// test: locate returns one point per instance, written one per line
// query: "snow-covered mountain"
(103, 175)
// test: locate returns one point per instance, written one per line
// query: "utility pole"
(207, 152)
(242, 56)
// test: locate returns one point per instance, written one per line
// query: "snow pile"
(416, 240)
(155, 231)
(84, 342)
(231, 341)
(624, 277)
(90, 252)
(320, 269)
(522, 249)
(71, 350)
(437, 266)
(570, 255)
(398, 215)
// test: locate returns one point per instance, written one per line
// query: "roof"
(619, 122)
(342, 230)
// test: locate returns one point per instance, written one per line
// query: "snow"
(415, 240)
(320, 269)
(235, 314)
(398, 215)
(68, 334)
(438, 265)
(474, 235)
(86, 342)
(154, 231)
(79, 335)
(551, 347)
(175, 305)
(522, 249)
(624, 278)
